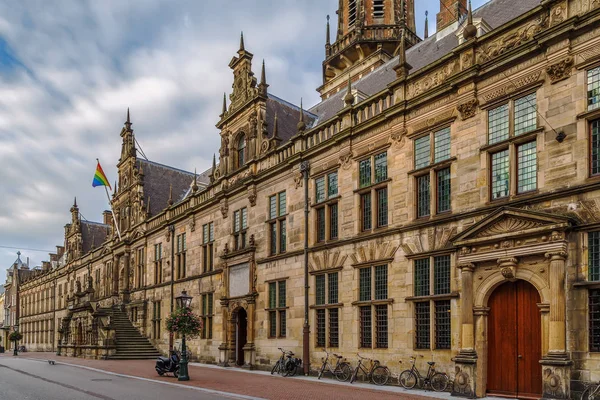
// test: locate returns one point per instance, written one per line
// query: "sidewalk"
(247, 383)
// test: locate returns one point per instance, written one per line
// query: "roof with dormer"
(93, 234)
(495, 13)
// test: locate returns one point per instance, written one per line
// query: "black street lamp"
(15, 353)
(184, 302)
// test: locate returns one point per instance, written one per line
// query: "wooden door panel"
(529, 333)
(502, 351)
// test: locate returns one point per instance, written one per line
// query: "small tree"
(15, 336)
(185, 322)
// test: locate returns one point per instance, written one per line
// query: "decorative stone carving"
(298, 180)
(508, 268)
(192, 223)
(558, 14)
(561, 70)
(432, 80)
(508, 225)
(462, 384)
(326, 260)
(468, 110)
(373, 252)
(511, 40)
(437, 238)
(397, 137)
(224, 207)
(556, 236)
(438, 119)
(512, 87)
(252, 195)
(346, 160)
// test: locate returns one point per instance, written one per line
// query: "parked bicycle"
(342, 371)
(592, 392)
(22, 349)
(287, 365)
(409, 378)
(376, 373)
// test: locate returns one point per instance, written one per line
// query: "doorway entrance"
(514, 341)
(241, 335)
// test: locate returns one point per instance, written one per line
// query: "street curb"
(211, 391)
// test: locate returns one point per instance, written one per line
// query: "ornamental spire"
(128, 122)
(195, 184)
(470, 31)
(242, 48)
(170, 202)
(328, 34)
(301, 125)
(224, 104)
(349, 98)
(426, 33)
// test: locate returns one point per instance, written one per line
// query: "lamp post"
(15, 353)
(183, 301)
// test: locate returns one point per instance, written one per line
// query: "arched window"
(241, 150)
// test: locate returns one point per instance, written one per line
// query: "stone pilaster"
(466, 361)
(556, 365)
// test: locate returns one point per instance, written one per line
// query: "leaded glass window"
(498, 126)
(443, 190)
(595, 146)
(594, 312)
(381, 326)
(442, 324)
(272, 294)
(381, 282)
(365, 173)
(382, 207)
(525, 114)
(320, 289)
(332, 184)
(273, 207)
(277, 309)
(441, 275)
(321, 224)
(365, 200)
(282, 236)
(320, 328)
(423, 193)
(594, 256)
(380, 167)
(366, 339)
(365, 284)
(500, 174)
(422, 152)
(422, 277)
(320, 189)
(273, 235)
(527, 167)
(282, 204)
(333, 221)
(422, 315)
(333, 288)
(441, 145)
(593, 88)
(334, 327)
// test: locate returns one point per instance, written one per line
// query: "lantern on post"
(183, 301)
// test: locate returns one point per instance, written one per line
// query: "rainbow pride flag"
(99, 177)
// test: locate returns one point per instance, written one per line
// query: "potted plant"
(15, 337)
(186, 323)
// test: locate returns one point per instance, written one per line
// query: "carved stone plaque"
(239, 280)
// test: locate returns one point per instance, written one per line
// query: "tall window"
(207, 316)
(241, 151)
(156, 320)
(140, 269)
(180, 256)
(595, 147)
(240, 225)
(327, 311)
(326, 207)
(373, 192)
(208, 238)
(378, 9)
(277, 309)
(277, 223)
(507, 124)
(352, 11)
(373, 306)
(432, 164)
(424, 288)
(158, 269)
(594, 256)
(97, 283)
(594, 327)
(593, 88)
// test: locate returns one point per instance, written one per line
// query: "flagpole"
(111, 209)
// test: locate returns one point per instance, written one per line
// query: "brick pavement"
(256, 384)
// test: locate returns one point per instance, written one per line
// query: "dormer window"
(241, 151)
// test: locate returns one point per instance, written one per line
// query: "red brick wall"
(448, 14)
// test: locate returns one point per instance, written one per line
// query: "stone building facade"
(452, 209)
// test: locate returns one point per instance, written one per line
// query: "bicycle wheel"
(320, 374)
(439, 382)
(407, 379)
(343, 372)
(354, 375)
(275, 368)
(380, 375)
(587, 393)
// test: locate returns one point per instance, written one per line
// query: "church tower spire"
(369, 31)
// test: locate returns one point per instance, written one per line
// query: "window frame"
(378, 335)
(371, 192)
(241, 149)
(158, 267)
(180, 256)
(240, 236)
(277, 309)
(208, 242)
(330, 303)
(277, 225)
(325, 207)
(207, 312)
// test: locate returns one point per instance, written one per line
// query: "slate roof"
(288, 116)
(157, 180)
(495, 13)
(93, 234)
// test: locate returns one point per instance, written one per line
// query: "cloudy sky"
(69, 69)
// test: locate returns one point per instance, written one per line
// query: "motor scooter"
(170, 364)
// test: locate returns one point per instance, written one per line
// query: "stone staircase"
(131, 344)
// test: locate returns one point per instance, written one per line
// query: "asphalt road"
(22, 379)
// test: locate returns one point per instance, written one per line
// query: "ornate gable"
(509, 222)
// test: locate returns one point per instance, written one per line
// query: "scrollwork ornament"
(346, 161)
(252, 195)
(560, 71)
(468, 110)
(224, 207)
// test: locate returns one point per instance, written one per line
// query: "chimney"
(107, 217)
(45, 266)
(450, 12)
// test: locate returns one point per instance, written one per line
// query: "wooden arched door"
(514, 341)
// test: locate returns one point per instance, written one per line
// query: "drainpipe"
(172, 230)
(305, 168)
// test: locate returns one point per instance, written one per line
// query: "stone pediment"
(509, 222)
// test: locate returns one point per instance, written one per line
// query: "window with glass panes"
(594, 256)
(158, 270)
(156, 320)
(277, 309)
(140, 270)
(207, 316)
(180, 256)
(593, 88)
(438, 268)
(508, 123)
(437, 159)
(595, 147)
(277, 223)
(373, 306)
(594, 319)
(208, 239)
(240, 226)
(373, 192)
(326, 310)
(326, 207)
